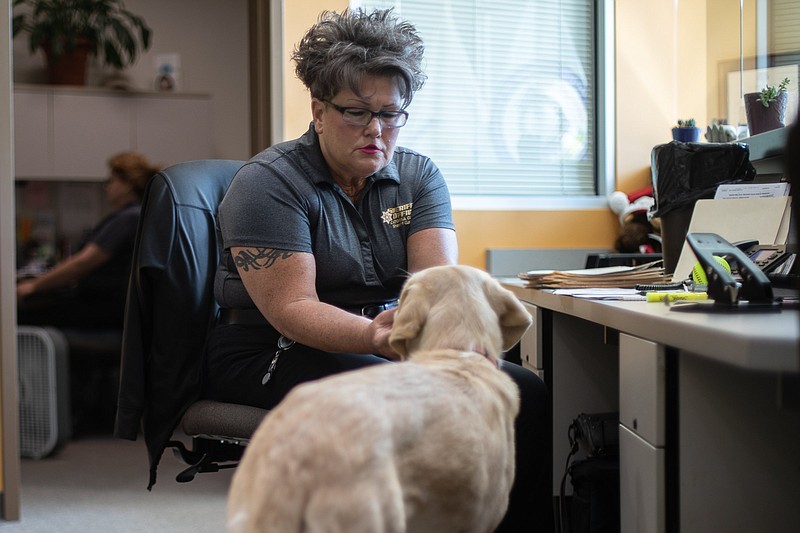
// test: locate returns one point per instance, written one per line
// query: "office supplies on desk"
(604, 293)
(754, 291)
(668, 297)
(662, 286)
(616, 277)
(632, 295)
(765, 220)
(699, 274)
(770, 258)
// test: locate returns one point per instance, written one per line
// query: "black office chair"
(169, 310)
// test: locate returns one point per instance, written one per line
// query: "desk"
(709, 408)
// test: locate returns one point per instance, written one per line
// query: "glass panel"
(751, 44)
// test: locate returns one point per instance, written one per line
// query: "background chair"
(169, 310)
(94, 356)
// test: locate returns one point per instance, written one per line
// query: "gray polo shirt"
(285, 199)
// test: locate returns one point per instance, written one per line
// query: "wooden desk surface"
(768, 341)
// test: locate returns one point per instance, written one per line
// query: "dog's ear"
(408, 320)
(514, 319)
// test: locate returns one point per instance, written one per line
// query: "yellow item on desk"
(675, 296)
(699, 275)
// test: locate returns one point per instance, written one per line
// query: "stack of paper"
(616, 276)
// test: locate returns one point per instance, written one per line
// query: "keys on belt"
(284, 343)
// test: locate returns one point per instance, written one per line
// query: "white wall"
(211, 38)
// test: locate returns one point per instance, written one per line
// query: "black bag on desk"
(594, 507)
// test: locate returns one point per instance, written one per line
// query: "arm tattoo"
(262, 258)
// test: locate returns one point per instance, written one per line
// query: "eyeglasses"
(358, 116)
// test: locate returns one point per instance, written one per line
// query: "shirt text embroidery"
(398, 216)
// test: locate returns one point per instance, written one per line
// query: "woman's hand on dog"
(379, 331)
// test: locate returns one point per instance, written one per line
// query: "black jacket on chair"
(170, 304)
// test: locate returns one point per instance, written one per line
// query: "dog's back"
(424, 445)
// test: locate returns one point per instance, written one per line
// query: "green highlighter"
(675, 296)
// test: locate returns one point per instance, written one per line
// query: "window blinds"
(509, 103)
(785, 27)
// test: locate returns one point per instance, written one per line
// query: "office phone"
(778, 258)
(778, 261)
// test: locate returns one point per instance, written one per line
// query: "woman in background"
(88, 289)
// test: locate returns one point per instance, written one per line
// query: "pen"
(675, 296)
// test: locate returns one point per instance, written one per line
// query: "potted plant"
(686, 131)
(766, 110)
(69, 30)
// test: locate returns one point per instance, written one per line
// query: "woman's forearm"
(331, 329)
(70, 270)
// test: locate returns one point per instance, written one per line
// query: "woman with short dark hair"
(319, 234)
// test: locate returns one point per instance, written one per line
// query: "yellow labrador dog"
(426, 445)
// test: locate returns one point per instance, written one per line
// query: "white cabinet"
(642, 384)
(87, 130)
(641, 485)
(530, 345)
(32, 139)
(70, 133)
(642, 429)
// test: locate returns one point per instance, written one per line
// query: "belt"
(253, 317)
(242, 317)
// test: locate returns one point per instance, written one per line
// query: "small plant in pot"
(686, 131)
(69, 30)
(766, 110)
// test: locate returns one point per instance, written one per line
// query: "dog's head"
(457, 307)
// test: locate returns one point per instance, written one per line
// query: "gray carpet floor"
(99, 484)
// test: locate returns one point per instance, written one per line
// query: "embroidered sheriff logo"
(397, 216)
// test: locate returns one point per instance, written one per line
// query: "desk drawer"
(641, 388)
(530, 345)
(641, 485)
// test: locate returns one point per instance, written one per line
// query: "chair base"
(206, 455)
(220, 431)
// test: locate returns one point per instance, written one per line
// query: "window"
(784, 34)
(513, 108)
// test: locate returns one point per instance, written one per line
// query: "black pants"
(239, 356)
